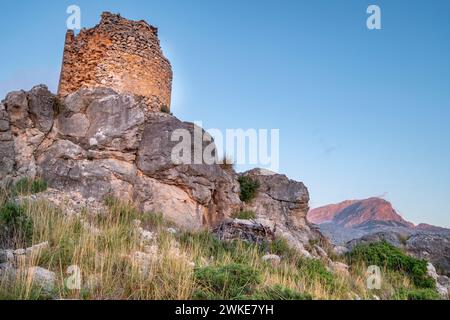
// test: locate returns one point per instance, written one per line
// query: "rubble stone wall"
(120, 54)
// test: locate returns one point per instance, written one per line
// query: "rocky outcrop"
(284, 202)
(120, 54)
(433, 247)
(97, 143)
(26, 120)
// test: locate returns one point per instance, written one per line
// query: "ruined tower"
(120, 54)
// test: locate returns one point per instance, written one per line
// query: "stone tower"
(120, 54)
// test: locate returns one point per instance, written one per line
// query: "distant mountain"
(353, 219)
(365, 214)
(430, 228)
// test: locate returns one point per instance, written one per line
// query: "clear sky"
(361, 113)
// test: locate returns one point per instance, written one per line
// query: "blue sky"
(361, 113)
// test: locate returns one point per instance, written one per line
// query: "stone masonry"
(119, 54)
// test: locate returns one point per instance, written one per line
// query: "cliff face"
(120, 54)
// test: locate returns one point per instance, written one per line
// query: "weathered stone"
(284, 202)
(339, 250)
(6, 256)
(389, 237)
(42, 278)
(41, 103)
(110, 55)
(340, 268)
(212, 189)
(431, 271)
(432, 247)
(251, 231)
(272, 258)
(17, 105)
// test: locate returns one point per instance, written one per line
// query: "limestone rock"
(213, 189)
(285, 203)
(431, 271)
(28, 120)
(432, 247)
(339, 250)
(95, 143)
(272, 258)
(42, 278)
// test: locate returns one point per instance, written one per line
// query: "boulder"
(205, 191)
(30, 120)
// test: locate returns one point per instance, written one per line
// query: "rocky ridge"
(97, 143)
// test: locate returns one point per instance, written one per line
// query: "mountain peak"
(355, 213)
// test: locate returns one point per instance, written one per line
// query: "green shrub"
(315, 270)
(244, 215)
(16, 227)
(232, 281)
(386, 255)
(417, 294)
(249, 188)
(279, 292)
(280, 247)
(26, 186)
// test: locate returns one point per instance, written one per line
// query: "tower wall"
(120, 54)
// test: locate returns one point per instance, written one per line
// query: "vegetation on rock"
(249, 188)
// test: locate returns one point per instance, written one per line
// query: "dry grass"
(108, 272)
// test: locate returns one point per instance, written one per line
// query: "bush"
(316, 271)
(227, 164)
(386, 255)
(210, 246)
(244, 215)
(249, 188)
(16, 227)
(26, 186)
(232, 281)
(417, 294)
(279, 292)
